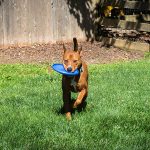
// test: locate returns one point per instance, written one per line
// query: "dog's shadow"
(80, 108)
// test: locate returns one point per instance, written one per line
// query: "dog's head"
(72, 58)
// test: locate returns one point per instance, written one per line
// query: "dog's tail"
(75, 44)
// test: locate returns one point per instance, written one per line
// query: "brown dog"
(72, 61)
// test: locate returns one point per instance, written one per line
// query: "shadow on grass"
(80, 108)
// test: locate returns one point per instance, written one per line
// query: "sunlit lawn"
(117, 116)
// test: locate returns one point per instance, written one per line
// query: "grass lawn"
(117, 116)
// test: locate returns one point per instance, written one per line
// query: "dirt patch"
(52, 53)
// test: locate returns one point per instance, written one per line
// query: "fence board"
(23, 34)
(1, 25)
(126, 44)
(137, 5)
(116, 23)
(6, 22)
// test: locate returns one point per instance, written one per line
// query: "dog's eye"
(65, 61)
(75, 61)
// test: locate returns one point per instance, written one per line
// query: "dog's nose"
(69, 69)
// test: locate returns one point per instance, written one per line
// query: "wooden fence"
(24, 22)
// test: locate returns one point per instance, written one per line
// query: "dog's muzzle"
(69, 68)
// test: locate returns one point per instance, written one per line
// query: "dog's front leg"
(66, 100)
(66, 97)
(80, 98)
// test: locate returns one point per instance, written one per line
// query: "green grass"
(117, 116)
(147, 55)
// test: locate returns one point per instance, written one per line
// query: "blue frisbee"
(60, 69)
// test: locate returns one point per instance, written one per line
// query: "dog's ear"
(64, 47)
(80, 50)
(75, 44)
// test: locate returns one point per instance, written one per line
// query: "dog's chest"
(73, 84)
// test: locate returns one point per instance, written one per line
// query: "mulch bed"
(93, 53)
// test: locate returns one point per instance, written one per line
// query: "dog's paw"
(68, 116)
(76, 103)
